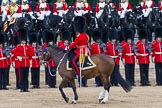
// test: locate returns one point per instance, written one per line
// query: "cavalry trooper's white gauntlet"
(19, 58)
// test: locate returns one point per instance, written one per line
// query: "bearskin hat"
(158, 32)
(66, 36)
(113, 34)
(48, 36)
(2, 38)
(33, 37)
(129, 34)
(79, 24)
(142, 34)
(97, 35)
(22, 34)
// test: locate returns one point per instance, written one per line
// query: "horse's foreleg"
(63, 83)
(74, 101)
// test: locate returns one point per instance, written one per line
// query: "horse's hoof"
(73, 101)
(67, 99)
(103, 102)
(100, 100)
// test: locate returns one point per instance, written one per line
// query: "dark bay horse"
(104, 68)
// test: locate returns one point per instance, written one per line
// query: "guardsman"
(143, 58)
(160, 5)
(43, 9)
(157, 54)
(112, 51)
(3, 66)
(147, 7)
(13, 11)
(35, 61)
(97, 48)
(3, 9)
(100, 8)
(86, 7)
(60, 8)
(128, 58)
(15, 62)
(65, 40)
(23, 55)
(26, 8)
(50, 66)
(78, 8)
(123, 8)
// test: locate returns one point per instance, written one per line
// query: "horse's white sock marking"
(102, 94)
(73, 101)
(106, 97)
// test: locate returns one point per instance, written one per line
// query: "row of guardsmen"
(81, 7)
(26, 56)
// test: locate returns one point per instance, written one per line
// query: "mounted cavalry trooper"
(147, 7)
(128, 56)
(80, 43)
(43, 9)
(35, 61)
(123, 8)
(143, 58)
(97, 47)
(23, 55)
(3, 9)
(78, 8)
(100, 8)
(60, 8)
(112, 51)
(13, 12)
(3, 62)
(157, 54)
(26, 8)
(160, 5)
(86, 7)
(50, 67)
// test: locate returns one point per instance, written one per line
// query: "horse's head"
(45, 55)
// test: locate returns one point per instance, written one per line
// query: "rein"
(57, 66)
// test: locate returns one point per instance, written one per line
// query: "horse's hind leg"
(104, 94)
(63, 83)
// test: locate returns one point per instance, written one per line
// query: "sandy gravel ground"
(139, 97)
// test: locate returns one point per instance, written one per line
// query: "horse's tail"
(125, 85)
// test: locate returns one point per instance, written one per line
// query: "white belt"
(143, 54)
(129, 54)
(114, 56)
(3, 58)
(158, 52)
(35, 57)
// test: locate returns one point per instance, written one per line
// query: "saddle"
(86, 64)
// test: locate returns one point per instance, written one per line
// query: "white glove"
(66, 48)
(19, 58)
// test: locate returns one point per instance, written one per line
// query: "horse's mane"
(55, 47)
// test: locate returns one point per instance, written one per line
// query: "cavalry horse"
(104, 68)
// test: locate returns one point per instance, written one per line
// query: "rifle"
(149, 47)
(134, 48)
(7, 50)
(102, 46)
(119, 48)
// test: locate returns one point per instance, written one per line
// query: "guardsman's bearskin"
(48, 36)
(79, 24)
(97, 35)
(143, 34)
(66, 35)
(113, 34)
(2, 38)
(33, 37)
(129, 34)
(22, 34)
(158, 32)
